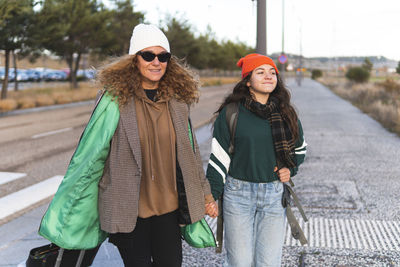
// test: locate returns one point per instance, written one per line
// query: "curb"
(76, 104)
(44, 108)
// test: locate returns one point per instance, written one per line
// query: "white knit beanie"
(145, 35)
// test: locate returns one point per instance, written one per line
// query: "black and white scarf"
(281, 134)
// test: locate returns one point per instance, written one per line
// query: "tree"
(316, 73)
(398, 68)
(182, 42)
(216, 57)
(204, 51)
(357, 74)
(123, 20)
(231, 53)
(71, 28)
(15, 20)
(367, 64)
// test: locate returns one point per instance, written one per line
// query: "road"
(348, 184)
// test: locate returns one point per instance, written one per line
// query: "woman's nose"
(155, 61)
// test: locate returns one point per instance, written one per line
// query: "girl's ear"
(248, 84)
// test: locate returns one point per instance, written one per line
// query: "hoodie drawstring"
(148, 142)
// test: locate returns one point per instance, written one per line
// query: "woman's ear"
(248, 84)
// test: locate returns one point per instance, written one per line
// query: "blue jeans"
(254, 222)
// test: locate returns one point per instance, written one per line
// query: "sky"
(312, 28)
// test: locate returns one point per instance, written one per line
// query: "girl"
(269, 147)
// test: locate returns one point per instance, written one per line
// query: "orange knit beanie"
(252, 61)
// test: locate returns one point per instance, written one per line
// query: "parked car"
(22, 76)
(86, 74)
(54, 75)
(33, 75)
(10, 74)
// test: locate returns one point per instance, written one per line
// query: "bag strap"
(297, 203)
(295, 229)
(220, 227)
(232, 112)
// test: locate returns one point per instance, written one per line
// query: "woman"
(151, 178)
(268, 148)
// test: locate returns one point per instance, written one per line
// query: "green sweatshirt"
(254, 156)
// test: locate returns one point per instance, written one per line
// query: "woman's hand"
(212, 209)
(283, 174)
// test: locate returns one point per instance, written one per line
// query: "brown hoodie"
(158, 194)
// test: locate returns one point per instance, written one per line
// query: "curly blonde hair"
(122, 78)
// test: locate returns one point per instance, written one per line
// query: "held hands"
(212, 209)
(283, 174)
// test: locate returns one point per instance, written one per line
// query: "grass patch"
(216, 81)
(379, 99)
(8, 104)
(39, 97)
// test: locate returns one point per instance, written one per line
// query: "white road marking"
(51, 133)
(349, 230)
(6, 177)
(343, 233)
(26, 197)
(348, 233)
(355, 230)
(322, 232)
(392, 234)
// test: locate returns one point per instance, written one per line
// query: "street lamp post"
(261, 47)
(283, 26)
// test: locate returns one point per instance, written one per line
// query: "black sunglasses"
(150, 56)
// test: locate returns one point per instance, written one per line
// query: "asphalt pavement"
(348, 185)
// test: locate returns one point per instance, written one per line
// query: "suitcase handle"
(59, 257)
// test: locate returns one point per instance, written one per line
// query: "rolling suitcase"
(52, 255)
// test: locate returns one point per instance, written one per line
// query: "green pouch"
(198, 234)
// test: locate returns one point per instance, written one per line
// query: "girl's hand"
(283, 174)
(212, 209)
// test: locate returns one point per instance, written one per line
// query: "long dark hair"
(281, 92)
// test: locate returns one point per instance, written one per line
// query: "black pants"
(155, 242)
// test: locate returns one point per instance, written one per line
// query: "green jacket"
(63, 223)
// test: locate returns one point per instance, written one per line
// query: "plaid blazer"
(119, 186)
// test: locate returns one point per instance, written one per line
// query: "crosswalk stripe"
(344, 233)
(6, 177)
(349, 233)
(20, 200)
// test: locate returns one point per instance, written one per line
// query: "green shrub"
(357, 74)
(315, 74)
